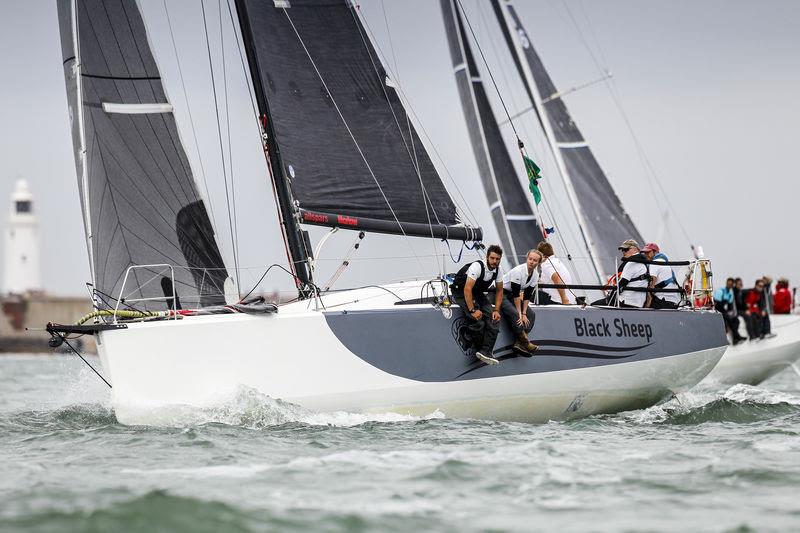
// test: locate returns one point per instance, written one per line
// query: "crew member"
(725, 304)
(629, 248)
(635, 274)
(782, 298)
(663, 278)
(518, 284)
(755, 311)
(556, 272)
(469, 289)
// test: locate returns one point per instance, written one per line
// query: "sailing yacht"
(336, 138)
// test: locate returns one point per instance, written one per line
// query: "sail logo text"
(349, 221)
(584, 328)
(314, 217)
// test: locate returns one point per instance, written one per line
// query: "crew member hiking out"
(469, 289)
(518, 284)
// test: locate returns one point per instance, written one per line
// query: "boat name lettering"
(584, 328)
(315, 217)
(349, 221)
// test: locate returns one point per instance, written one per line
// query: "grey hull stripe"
(569, 338)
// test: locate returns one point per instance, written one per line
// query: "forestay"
(348, 150)
(140, 202)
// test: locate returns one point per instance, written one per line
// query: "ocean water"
(709, 460)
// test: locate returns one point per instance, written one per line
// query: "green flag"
(533, 178)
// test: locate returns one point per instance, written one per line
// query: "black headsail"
(511, 211)
(604, 221)
(341, 142)
(140, 202)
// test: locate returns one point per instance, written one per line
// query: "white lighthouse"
(22, 268)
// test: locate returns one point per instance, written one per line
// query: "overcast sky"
(710, 88)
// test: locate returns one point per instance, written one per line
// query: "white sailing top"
(663, 273)
(550, 266)
(630, 271)
(519, 276)
(474, 271)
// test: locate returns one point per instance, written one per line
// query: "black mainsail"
(603, 220)
(140, 202)
(514, 219)
(341, 143)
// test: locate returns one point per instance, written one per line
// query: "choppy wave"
(78, 416)
(156, 510)
(249, 408)
(739, 404)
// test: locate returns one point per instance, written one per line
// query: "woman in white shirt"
(556, 272)
(518, 285)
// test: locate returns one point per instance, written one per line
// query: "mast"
(513, 39)
(296, 239)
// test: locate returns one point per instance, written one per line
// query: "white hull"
(295, 356)
(752, 362)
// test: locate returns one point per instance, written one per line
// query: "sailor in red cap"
(663, 278)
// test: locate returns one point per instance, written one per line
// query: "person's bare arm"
(470, 283)
(556, 277)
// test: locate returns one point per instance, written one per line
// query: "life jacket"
(481, 286)
(664, 283)
(640, 277)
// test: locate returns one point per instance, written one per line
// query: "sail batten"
(346, 146)
(139, 197)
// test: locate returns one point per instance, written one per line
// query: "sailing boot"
(524, 346)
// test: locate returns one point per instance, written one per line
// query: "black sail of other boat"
(140, 202)
(516, 224)
(603, 220)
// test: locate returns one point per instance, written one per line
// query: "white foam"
(746, 393)
(217, 471)
(246, 407)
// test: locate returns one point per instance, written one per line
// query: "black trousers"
(660, 303)
(755, 325)
(484, 331)
(509, 312)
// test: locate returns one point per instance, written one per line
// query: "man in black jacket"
(469, 290)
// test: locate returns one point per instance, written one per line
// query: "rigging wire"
(352, 137)
(221, 146)
(396, 76)
(614, 93)
(258, 125)
(230, 145)
(414, 160)
(189, 111)
(469, 215)
(520, 144)
(489, 70)
(524, 127)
